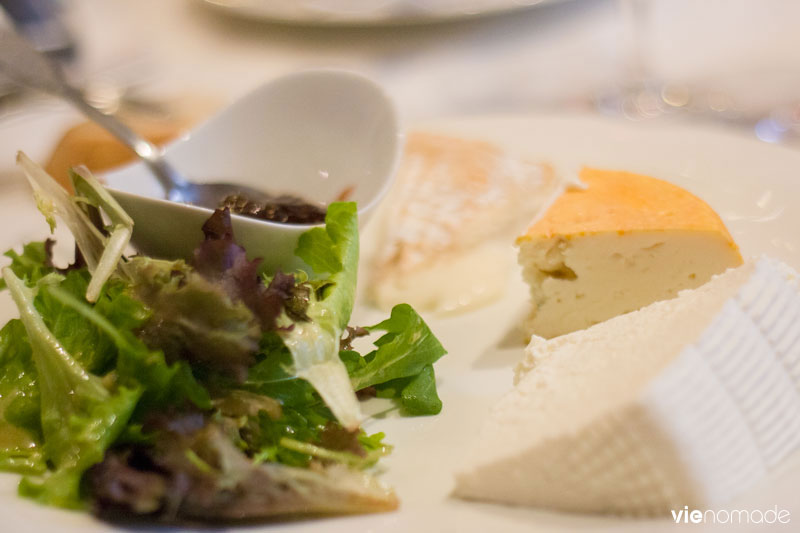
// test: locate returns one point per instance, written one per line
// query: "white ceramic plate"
(367, 12)
(756, 189)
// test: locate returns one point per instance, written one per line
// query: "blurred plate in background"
(368, 12)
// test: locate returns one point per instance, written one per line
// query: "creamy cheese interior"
(578, 281)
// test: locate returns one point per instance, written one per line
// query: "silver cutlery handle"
(26, 66)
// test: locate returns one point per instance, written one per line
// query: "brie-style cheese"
(446, 229)
(688, 401)
(619, 244)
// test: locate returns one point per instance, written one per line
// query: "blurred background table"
(743, 57)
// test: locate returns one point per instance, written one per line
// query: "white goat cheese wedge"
(687, 401)
(622, 242)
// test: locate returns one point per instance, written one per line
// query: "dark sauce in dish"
(283, 208)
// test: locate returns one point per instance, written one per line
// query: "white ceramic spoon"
(314, 134)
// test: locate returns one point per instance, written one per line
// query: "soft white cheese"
(444, 236)
(685, 402)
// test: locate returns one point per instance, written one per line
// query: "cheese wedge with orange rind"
(622, 242)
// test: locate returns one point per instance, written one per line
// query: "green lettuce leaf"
(25, 460)
(32, 264)
(318, 249)
(137, 366)
(80, 417)
(92, 348)
(314, 344)
(21, 427)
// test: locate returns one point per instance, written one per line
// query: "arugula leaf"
(419, 397)
(353, 361)
(80, 418)
(417, 394)
(314, 344)
(32, 264)
(407, 347)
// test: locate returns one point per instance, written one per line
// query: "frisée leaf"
(102, 253)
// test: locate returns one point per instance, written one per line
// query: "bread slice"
(621, 243)
(449, 221)
(687, 401)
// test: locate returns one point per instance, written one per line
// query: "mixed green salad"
(202, 389)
